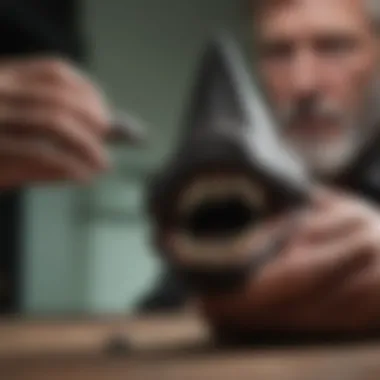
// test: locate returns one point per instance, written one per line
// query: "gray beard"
(330, 159)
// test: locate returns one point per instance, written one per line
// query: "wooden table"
(164, 348)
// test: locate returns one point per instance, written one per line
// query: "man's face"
(318, 62)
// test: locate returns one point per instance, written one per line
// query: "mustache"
(310, 109)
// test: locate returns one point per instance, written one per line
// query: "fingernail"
(105, 162)
(81, 173)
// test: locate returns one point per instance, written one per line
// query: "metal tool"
(127, 129)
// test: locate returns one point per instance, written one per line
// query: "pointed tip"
(219, 90)
(127, 128)
(224, 43)
(221, 37)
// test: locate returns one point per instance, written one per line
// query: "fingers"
(53, 82)
(51, 70)
(324, 197)
(351, 306)
(341, 219)
(356, 303)
(50, 101)
(300, 275)
(77, 102)
(26, 160)
(342, 216)
(38, 174)
(59, 127)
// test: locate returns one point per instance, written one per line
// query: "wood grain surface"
(167, 348)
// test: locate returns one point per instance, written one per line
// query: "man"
(319, 63)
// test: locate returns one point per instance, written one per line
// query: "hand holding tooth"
(327, 277)
(53, 123)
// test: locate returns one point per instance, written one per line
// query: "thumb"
(323, 196)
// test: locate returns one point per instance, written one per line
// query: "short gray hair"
(373, 7)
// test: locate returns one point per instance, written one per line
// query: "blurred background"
(87, 250)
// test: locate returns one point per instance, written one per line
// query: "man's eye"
(336, 45)
(276, 51)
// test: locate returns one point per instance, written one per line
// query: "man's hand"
(327, 278)
(52, 123)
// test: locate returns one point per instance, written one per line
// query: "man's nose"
(304, 75)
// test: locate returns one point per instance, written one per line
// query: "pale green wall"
(77, 258)
(52, 266)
